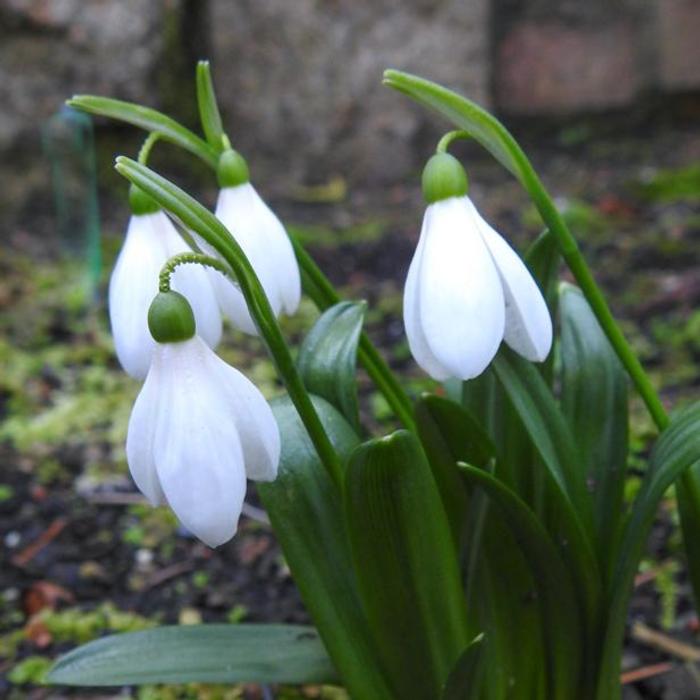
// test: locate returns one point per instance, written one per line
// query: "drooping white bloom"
(151, 239)
(467, 290)
(264, 240)
(197, 430)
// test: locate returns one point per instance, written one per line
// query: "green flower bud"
(170, 318)
(232, 169)
(141, 203)
(443, 177)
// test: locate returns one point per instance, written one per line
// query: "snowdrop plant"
(485, 549)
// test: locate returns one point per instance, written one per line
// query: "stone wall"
(306, 76)
(562, 57)
(300, 80)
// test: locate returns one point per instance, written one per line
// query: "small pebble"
(12, 539)
(144, 558)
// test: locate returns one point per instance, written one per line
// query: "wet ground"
(82, 555)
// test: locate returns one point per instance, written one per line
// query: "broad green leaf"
(557, 595)
(323, 294)
(676, 450)
(594, 401)
(464, 680)
(327, 358)
(208, 107)
(306, 512)
(148, 119)
(405, 563)
(199, 654)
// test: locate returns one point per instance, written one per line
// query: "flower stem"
(449, 137)
(182, 259)
(581, 272)
(148, 144)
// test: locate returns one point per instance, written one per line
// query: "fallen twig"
(46, 537)
(639, 674)
(169, 572)
(661, 641)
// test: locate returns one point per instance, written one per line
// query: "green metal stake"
(69, 147)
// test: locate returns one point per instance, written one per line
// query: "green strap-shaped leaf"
(464, 681)
(328, 357)
(688, 495)
(677, 449)
(568, 505)
(594, 401)
(485, 128)
(406, 565)
(557, 595)
(148, 119)
(536, 407)
(208, 107)
(497, 581)
(450, 434)
(306, 511)
(543, 260)
(201, 654)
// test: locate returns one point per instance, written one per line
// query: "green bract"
(170, 318)
(443, 177)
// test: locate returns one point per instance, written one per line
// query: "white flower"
(467, 290)
(197, 429)
(265, 243)
(151, 239)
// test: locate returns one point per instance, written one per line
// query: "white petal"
(196, 449)
(133, 285)
(417, 342)
(150, 240)
(255, 422)
(528, 323)
(460, 300)
(194, 282)
(140, 436)
(266, 245)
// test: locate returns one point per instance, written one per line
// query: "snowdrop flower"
(198, 428)
(467, 289)
(151, 239)
(263, 239)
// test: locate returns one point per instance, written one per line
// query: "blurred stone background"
(300, 80)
